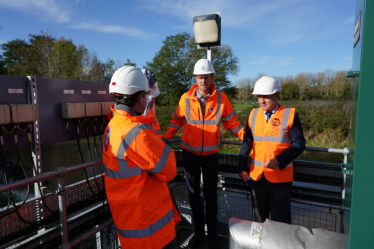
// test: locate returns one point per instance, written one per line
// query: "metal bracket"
(347, 168)
(353, 74)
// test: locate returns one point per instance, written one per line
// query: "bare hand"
(243, 175)
(272, 163)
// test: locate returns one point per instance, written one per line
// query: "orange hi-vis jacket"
(137, 166)
(155, 124)
(201, 135)
(269, 140)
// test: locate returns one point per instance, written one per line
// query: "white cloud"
(274, 61)
(61, 12)
(283, 62)
(52, 8)
(349, 21)
(262, 61)
(95, 26)
(234, 14)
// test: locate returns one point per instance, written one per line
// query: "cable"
(89, 153)
(97, 157)
(3, 168)
(81, 155)
(10, 192)
(36, 173)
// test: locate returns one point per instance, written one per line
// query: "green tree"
(173, 66)
(28, 58)
(129, 63)
(16, 56)
(231, 92)
(66, 60)
(290, 91)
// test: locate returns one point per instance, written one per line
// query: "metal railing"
(60, 173)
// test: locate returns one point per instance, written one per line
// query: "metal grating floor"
(184, 235)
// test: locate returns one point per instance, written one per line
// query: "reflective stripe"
(205, 148)
(253, 121)
(157, 132)
(256, 162)
(174, 126)
(232, 114)
(282, 138)
(124, 171)
(219, 102)
(163, 160)
(148, 231)
(176, 116)
(201, 121)
(259, 163)
(130, 136)
(188, 111)
(286, 115)
(258, 138)
(277, 139)
(237, 129)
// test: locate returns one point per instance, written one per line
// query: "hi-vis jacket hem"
(146, 232)
(201, 134)
(269, 140)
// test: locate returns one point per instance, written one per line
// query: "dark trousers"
(271, 198)
(172, 245)
(193, 166)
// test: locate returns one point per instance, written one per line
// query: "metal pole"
(209, 54)
(62, 207)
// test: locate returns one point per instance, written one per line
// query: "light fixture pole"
(207, 30)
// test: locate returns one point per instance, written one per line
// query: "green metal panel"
(360, 185)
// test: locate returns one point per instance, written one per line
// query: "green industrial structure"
(359, 196)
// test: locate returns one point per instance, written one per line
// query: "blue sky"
(274, 37)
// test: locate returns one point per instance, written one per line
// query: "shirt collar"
(274, 109)
(198, 95)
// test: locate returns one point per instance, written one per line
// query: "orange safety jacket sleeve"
(153, 155)
(178, 119)
(229, 118)
(287, 156)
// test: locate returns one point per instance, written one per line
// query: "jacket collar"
(124, 110)
(192, 92)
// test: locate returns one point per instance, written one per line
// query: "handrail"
(61, 172)
(344, 151)
(44, 176)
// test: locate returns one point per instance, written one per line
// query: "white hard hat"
(267, 85)
(203, 66)
(152, 83)
(128, 80)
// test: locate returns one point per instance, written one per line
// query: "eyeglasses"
(203, 77)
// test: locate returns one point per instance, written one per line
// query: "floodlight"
(207, 29)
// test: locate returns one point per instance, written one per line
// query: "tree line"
(326, 85)
(44, 55)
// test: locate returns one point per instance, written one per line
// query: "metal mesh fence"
(240, 206)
